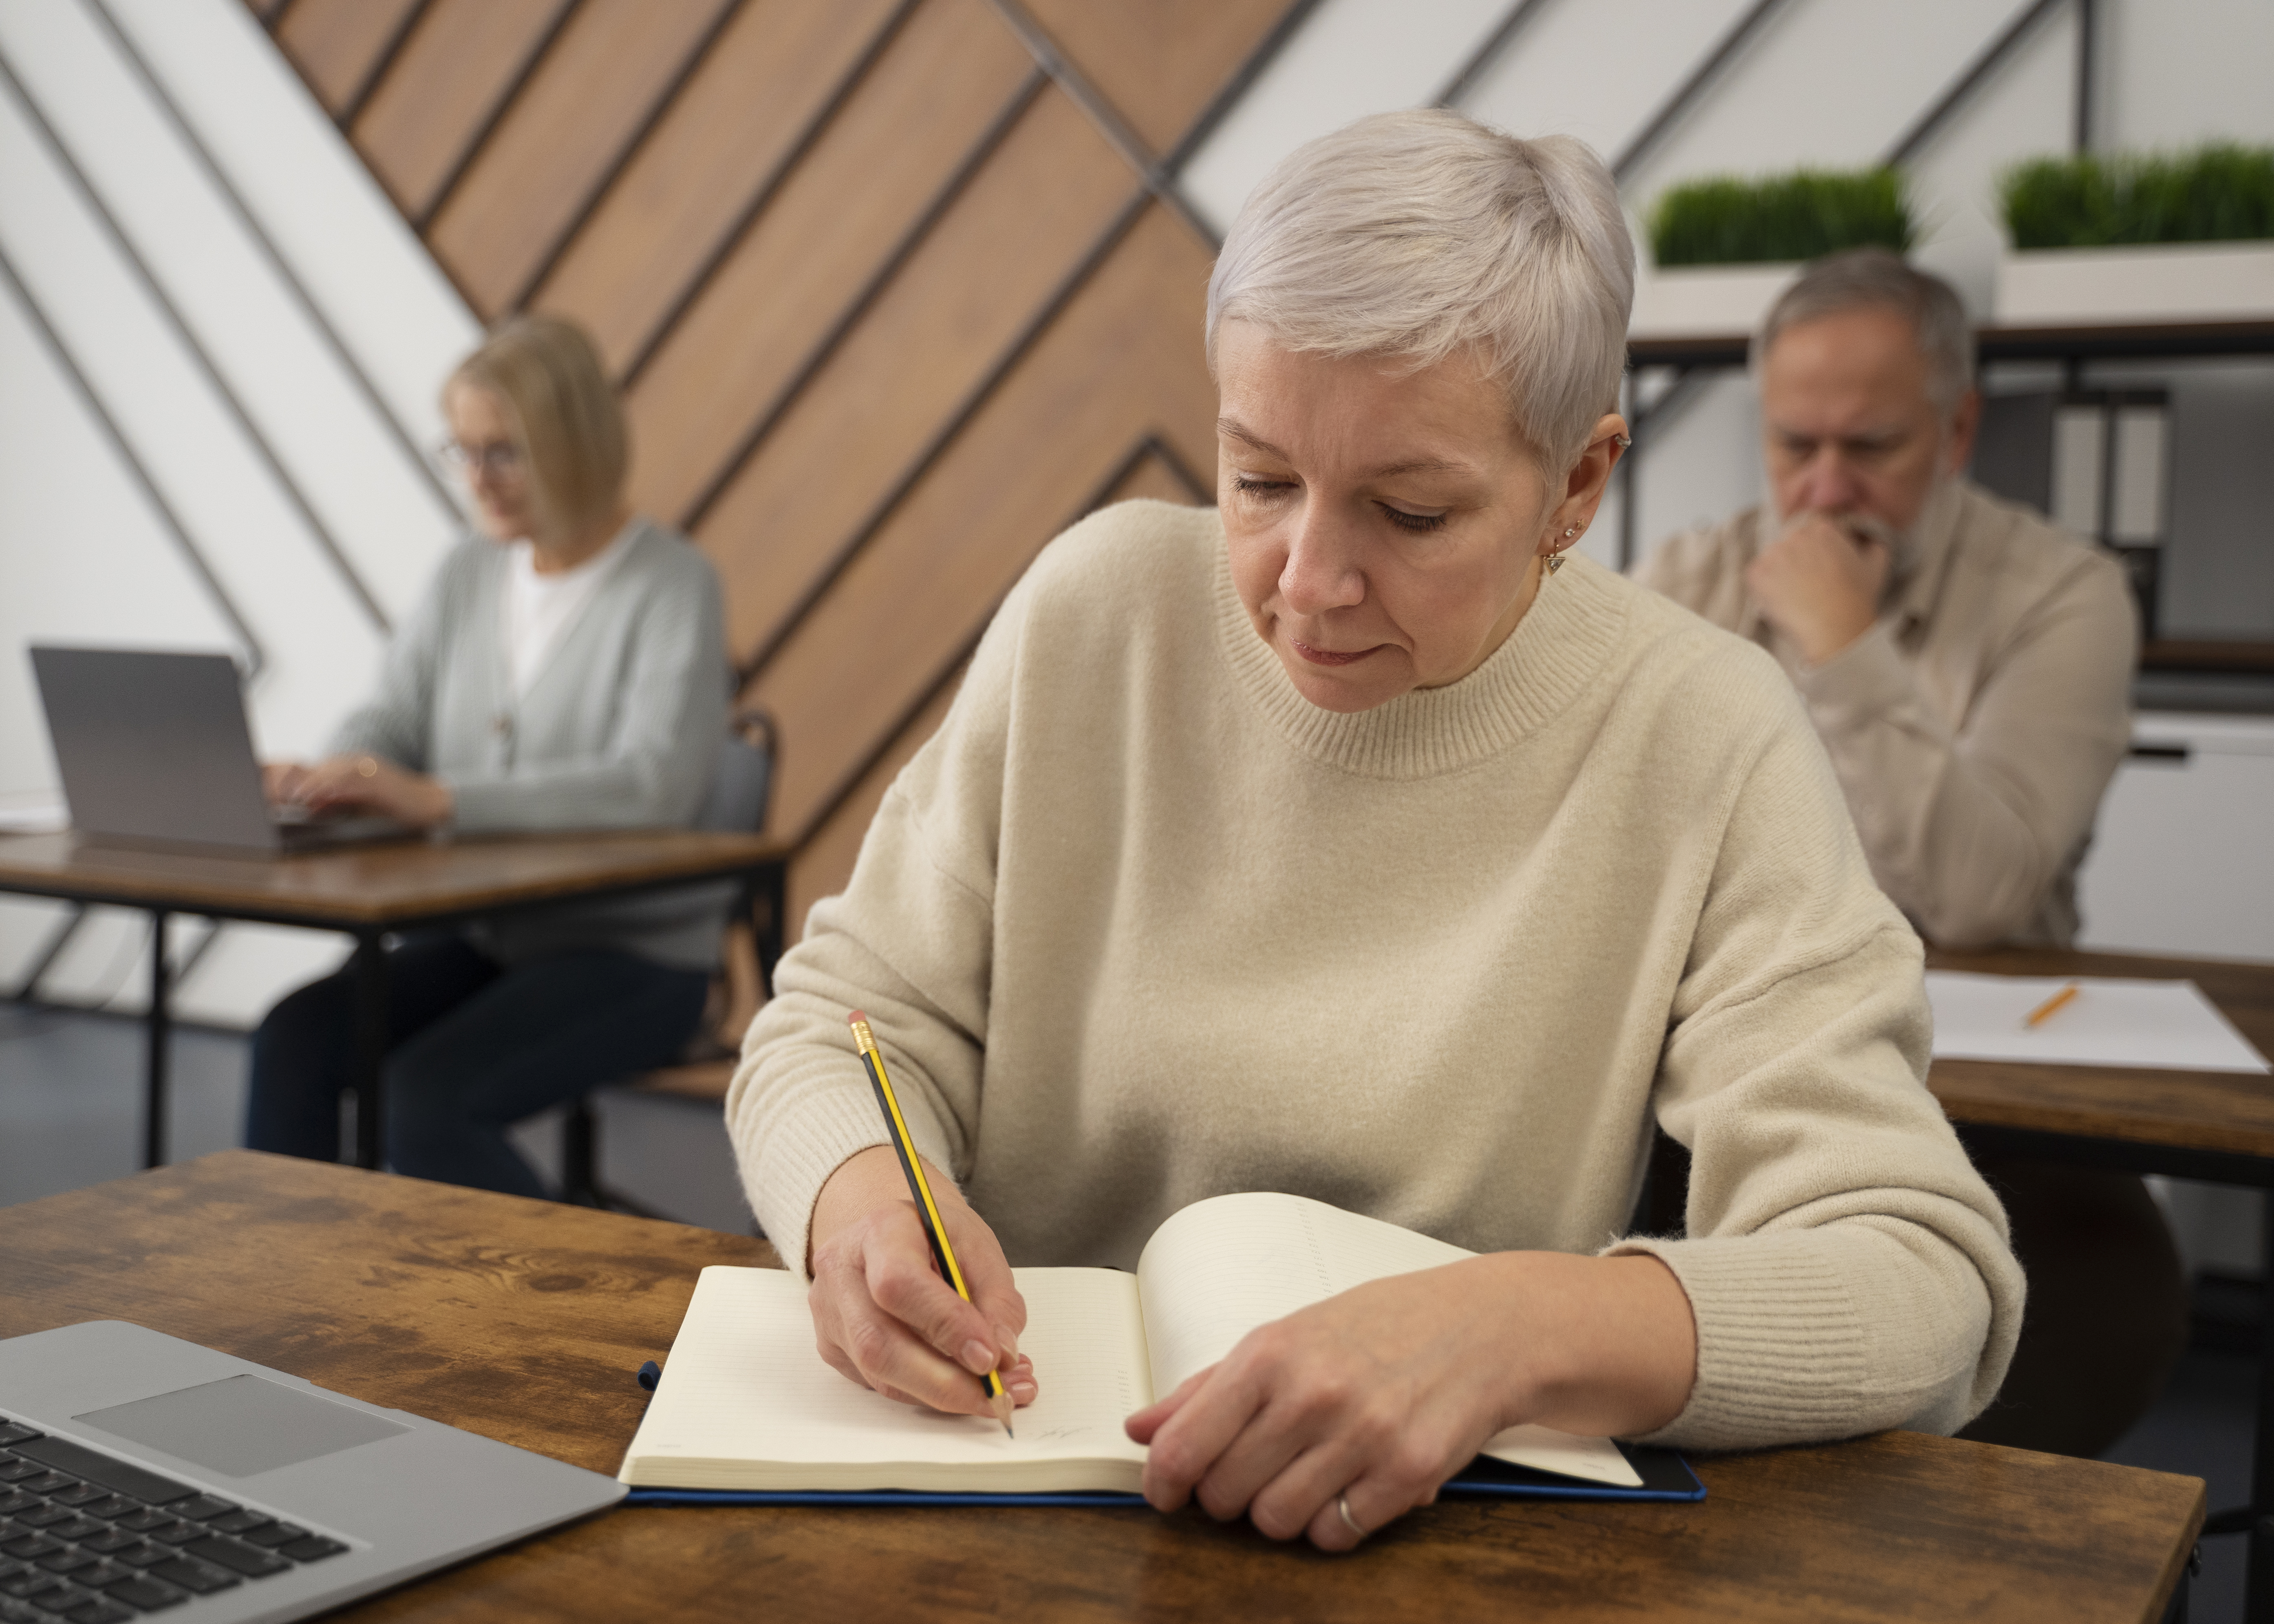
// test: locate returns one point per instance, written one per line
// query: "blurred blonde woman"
(566, 669)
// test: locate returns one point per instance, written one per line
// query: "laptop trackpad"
(242, 1425)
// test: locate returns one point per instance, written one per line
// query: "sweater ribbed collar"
(1563, 641)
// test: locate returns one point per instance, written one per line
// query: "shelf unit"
(1693, 358)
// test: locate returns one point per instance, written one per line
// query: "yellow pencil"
(2050, 1007)
(998, 1396)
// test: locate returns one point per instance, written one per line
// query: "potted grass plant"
(2139, 237)
(1723, 248)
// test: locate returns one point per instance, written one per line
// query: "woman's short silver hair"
(1859, 278)
(1419, 234)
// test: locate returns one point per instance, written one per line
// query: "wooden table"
(2212, 1125)
(524, 1320)
(370, 892)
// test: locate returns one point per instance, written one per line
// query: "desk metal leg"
(159, 1042)
(772, 888)
(2258, 1607)
(371, 1049)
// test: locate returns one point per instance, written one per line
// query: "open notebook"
(746, 1403)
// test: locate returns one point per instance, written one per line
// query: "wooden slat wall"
(882, 280)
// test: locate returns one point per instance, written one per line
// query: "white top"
(541, 609)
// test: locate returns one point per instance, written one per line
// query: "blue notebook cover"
(1665, 1476)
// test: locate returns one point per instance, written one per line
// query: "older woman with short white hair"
(1359, 839)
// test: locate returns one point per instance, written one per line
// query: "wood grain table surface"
(2227, 1112)
(377, 884)
(525, 1320)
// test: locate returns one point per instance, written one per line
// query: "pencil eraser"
(854, 1018)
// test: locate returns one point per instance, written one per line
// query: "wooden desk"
(369, 891)
(524, 1320)
(2217, 1126)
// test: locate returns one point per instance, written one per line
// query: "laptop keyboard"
(95, 1539)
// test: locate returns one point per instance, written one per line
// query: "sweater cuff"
(1781, 1343)
(1862, 683)
(802, 1148)
(480, 808)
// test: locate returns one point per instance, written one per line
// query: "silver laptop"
(155, 748)
(141, 1474)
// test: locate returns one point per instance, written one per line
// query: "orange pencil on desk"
(2050, 1008)
(998, 1396)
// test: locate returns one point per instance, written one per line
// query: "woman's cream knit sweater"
(1141, 925)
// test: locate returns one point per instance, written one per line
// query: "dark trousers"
(2107, 1315)
(473, 1045)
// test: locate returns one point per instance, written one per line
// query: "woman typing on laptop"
(565, 670)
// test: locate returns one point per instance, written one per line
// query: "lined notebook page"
(746, 1402)
(1220, 1268)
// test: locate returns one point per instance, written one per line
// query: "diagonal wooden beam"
(1100, 112)
(374, 75)
(851, 548)
(767, 190)
(975, 159)
(500, 109)
(1148, 444)
(657, 112)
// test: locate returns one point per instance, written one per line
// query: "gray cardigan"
(620, 729)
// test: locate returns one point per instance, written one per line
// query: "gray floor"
(71, 1114)
(71, 1106)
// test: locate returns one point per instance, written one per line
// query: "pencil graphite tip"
(1003, 1411)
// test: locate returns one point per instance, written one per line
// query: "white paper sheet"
(2169, 1025)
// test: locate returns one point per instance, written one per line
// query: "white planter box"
(2170, 282)
(1705, 301)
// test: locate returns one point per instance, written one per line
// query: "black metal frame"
(1692, 358)
(368, 964)
(2256, 1518)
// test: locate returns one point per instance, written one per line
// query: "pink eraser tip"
(854, 1018)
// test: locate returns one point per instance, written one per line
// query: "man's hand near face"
(1820, 584)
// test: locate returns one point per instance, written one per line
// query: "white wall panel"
(319, 642)
(377, 508)
(1831, 83)
(83, 556)
(1598, 69)
(2181, 860)
(2024, 110)
(2178, 72)
(1350, 58)
(367, 270)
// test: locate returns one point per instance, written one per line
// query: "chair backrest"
(743, 783)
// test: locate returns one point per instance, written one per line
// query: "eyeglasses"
(502, 459)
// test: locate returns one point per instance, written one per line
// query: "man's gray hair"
(1857, 278)
(1414, 234)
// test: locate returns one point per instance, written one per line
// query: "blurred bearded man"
(1968, 665)
(1968, 668)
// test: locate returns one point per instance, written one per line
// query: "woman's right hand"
(883, 1316)
(282, 782)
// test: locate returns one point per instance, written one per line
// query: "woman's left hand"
(1353, 1410)
(372, 783)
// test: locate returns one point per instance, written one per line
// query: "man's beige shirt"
(1974, 726)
